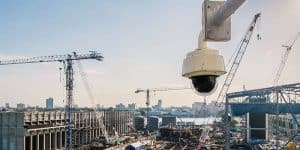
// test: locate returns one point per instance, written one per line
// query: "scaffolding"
(274, 103)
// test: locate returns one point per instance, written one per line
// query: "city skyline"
(143, 44)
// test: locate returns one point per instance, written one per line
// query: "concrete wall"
(11, 131)
(46, 130)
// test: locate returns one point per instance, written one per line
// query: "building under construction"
(46, 130)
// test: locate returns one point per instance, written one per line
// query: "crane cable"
(86, 83)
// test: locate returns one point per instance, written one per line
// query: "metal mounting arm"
(226, 10)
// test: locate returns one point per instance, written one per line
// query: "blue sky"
(143, 42)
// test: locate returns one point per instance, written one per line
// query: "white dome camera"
(203, 67)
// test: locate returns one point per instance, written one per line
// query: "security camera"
(203, 67)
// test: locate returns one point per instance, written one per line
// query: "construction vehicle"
(148, 91)
(291, 146)
(67, 60)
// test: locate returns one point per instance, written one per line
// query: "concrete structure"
(139, 123)
(168, 120)
(255, 123)
(120, 106)
(20, 106)
(118, 120)
(12, 131)
(286, 124)
(153, 123)
(46, 130)
(7, 105)
(132, 106)
(49, 103)
(262, 107)
(158, 105)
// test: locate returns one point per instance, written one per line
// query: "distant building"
(139, 123)
(20, 106)
(200, 109)
(49, 103)
(153, 123)
(7, 105)
(118, 121)
(168, 120)
(158, 105)
(120, 106)
(132, 106)
(99, 106)
(197, 106)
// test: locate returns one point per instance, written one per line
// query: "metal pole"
(148, 103)
(226, 10)
(277, 120)
(69, 90)
(227, 125)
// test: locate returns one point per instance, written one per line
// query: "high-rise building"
(132, 106)
(7, 105)
(153, 123)
(120, 106)
(49, 103)
(139, 123)
(168, 120)
(99, 106)
(20, 106)
(118, 121)
(159, 104)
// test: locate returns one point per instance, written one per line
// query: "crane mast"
(237, 60)
(284, 59)
(147, 91)
(69, 72)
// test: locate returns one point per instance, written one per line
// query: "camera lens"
(204, 83)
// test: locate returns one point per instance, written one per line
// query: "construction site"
(265, 118)
(46, 130)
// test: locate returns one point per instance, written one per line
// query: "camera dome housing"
(203, 67)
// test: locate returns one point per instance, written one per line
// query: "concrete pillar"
(31, 142)
(24, 142)
(50, 143)
(44, 141)
(37, 141)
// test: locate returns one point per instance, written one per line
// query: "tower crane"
(68, 62)
(284, 59)
(237, 59)
(147, 91)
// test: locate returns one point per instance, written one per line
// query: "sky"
(143, 43)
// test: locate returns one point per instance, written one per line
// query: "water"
(195, 121)
(199, 121)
